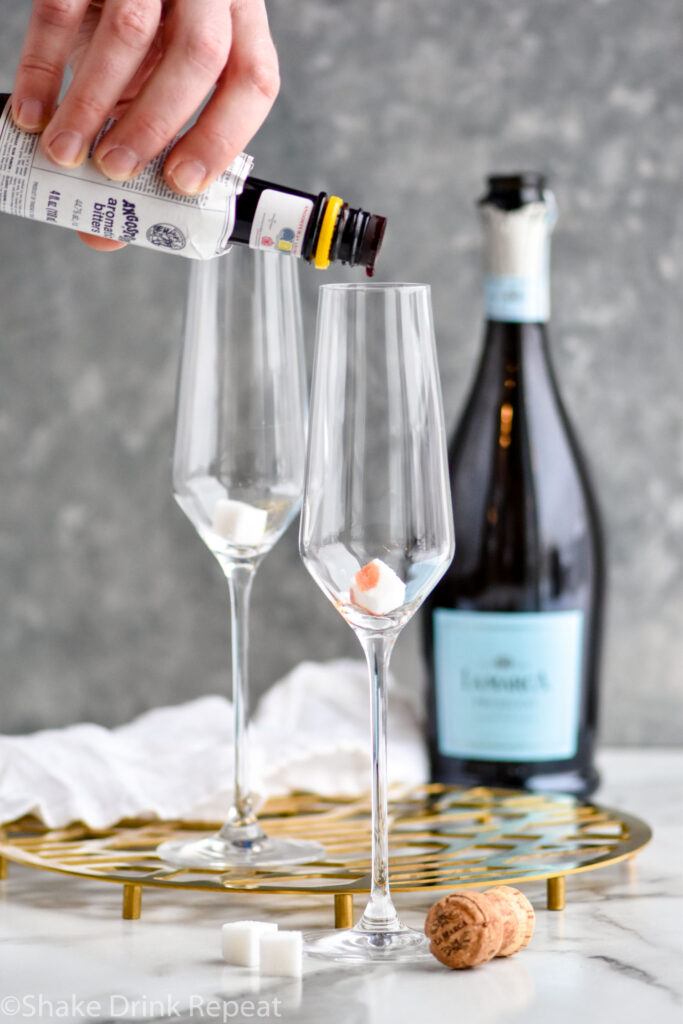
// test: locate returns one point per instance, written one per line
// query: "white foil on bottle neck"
(517, 246)
(516, 241)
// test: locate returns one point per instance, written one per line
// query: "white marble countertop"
(613, 953)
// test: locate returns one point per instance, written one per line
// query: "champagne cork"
(517, 916)
(468, 928)
(464, 929)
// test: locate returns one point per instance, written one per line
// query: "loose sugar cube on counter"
(377, 589)
(281, 954)
(240, 941)
(239, 522)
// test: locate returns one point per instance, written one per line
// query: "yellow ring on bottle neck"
(326, 233)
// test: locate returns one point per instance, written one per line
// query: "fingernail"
(119, 163)
(30, 115)
(188, 176)
(66, 148)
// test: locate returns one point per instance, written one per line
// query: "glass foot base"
(355, 945)
(216, 854)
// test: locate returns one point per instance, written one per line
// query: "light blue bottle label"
(508, 684)
(511, 299)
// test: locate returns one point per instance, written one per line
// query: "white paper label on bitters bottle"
(280, 222)
(143, 211)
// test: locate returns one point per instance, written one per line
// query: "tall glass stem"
(380, 914)
(241, 823)
(241, 842)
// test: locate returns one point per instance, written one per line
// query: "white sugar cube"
(240, 941)
(281, 953)
(377, 589)
(239, 522)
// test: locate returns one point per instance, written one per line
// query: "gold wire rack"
(440, 837)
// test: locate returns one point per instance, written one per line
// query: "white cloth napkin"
(310, 731)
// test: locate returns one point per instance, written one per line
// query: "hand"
(151, 65)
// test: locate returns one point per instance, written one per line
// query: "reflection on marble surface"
(614, 952)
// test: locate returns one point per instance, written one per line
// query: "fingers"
(51, 31)
(101, 244)
(244, 95)
(163, 74)
(119, 46)
(196, 44)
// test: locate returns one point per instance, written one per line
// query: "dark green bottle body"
(512, 632)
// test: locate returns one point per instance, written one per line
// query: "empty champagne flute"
(238, 469)
(376, 527)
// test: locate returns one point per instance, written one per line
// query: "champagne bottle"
(237, 208)
(512, 631)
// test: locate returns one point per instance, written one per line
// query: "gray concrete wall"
(109, 604)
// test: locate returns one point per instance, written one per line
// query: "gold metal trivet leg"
(343, 910)
(3, 867)
(556, 893)
(132, 900)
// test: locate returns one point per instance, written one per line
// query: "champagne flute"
(238, 470)
(376, 527)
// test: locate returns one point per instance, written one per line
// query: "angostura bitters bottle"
(237, 208)
(512, 631)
